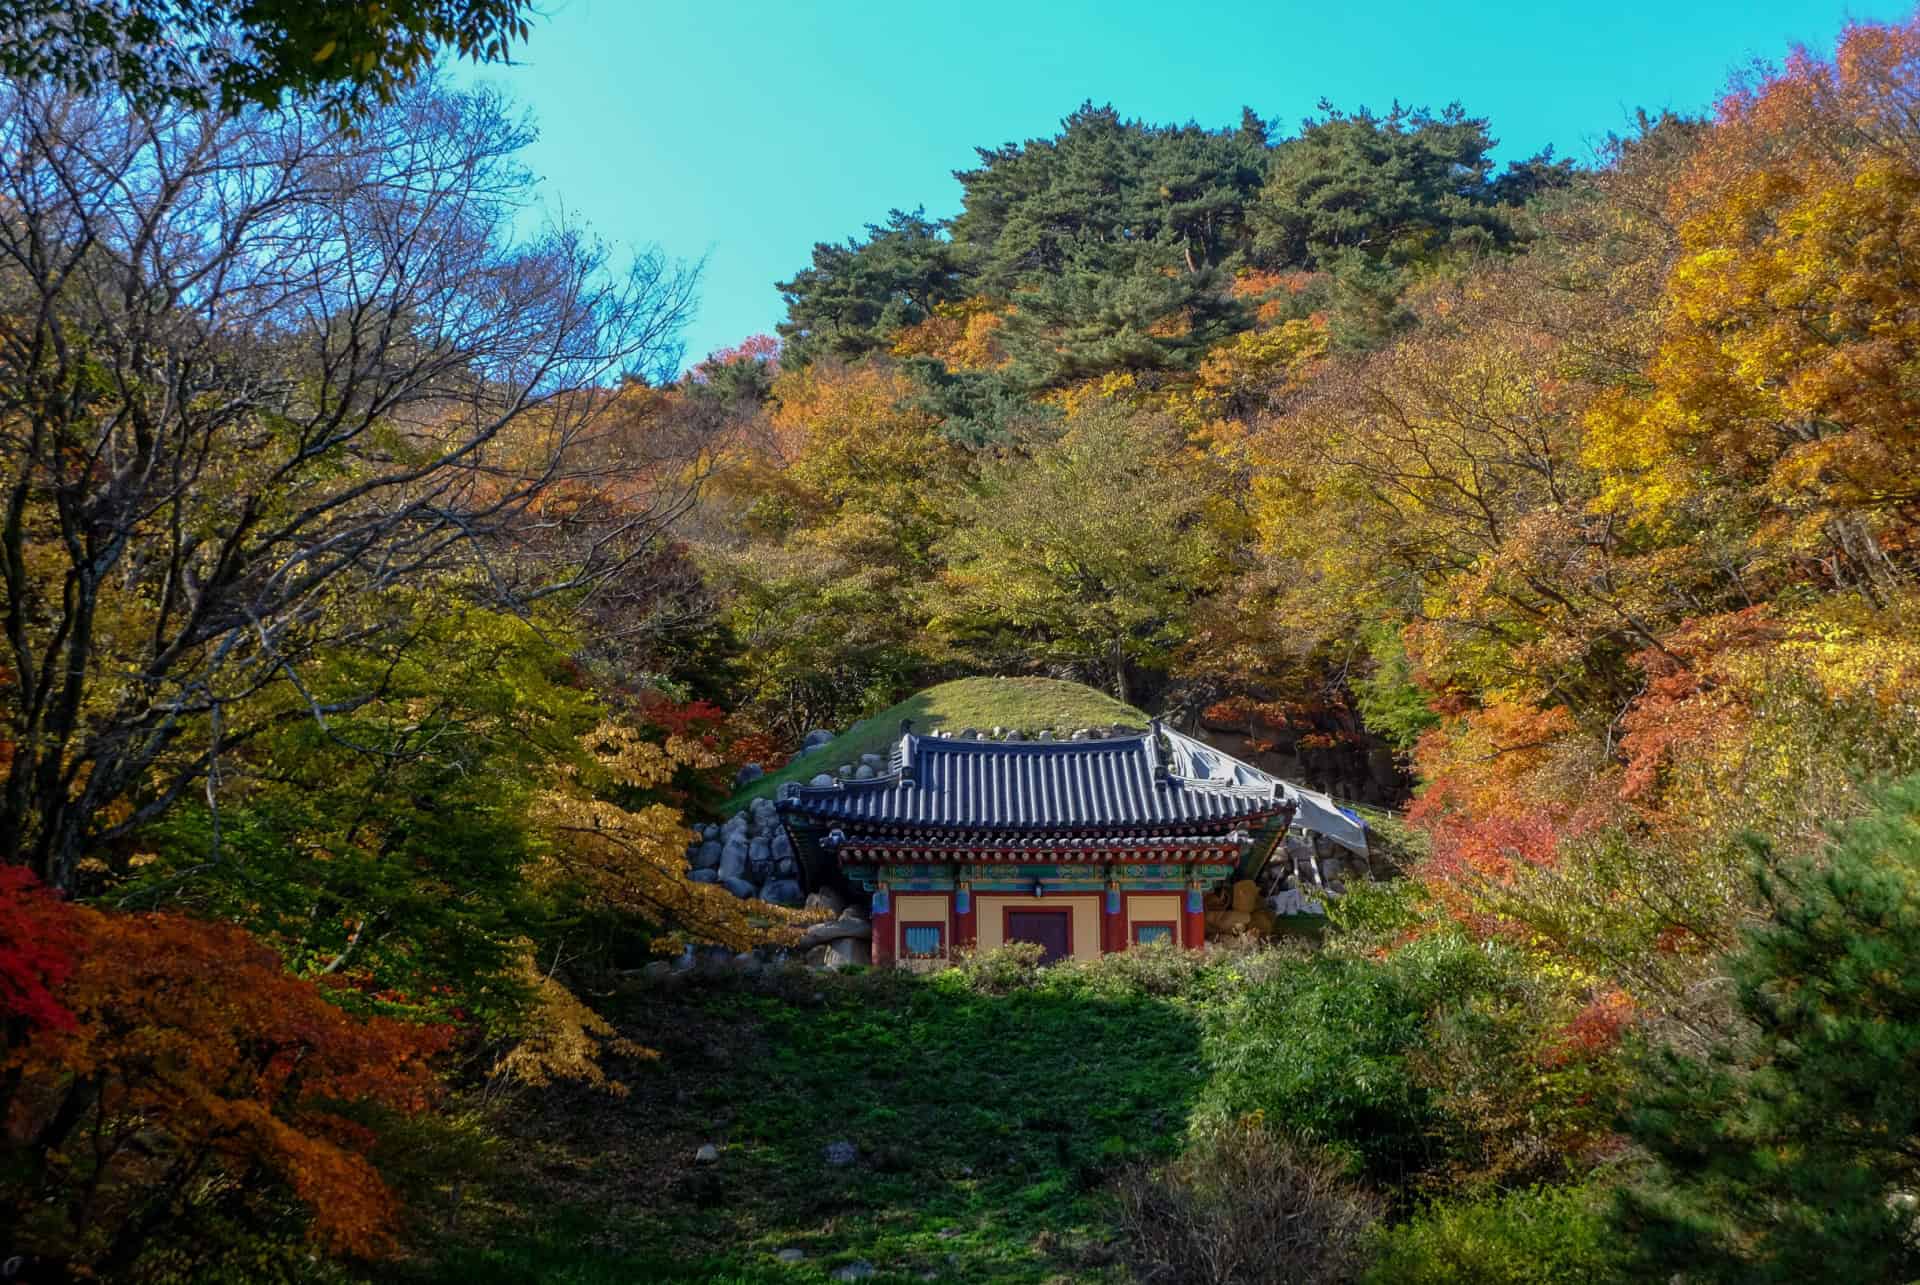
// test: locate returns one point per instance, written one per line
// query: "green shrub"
(1325, 1047)
(1002, 970)
(1160, 969)
(1534, 1236)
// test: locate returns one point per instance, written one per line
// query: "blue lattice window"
(1147, 934)
(922, 941)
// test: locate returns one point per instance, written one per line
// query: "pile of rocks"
(1305, 871)
(749, 855)
(1315, 865)
(1042, 734)
(1237, 909)
(847, 938)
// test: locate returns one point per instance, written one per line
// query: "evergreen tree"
(854, 296)
(1121, 308)
(1371, 182)
(1791, 1152)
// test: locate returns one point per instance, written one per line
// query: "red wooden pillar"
(1114, 923)
(1193, 924)
(882, 925)
(965, 930)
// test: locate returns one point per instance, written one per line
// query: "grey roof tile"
(1118, 784)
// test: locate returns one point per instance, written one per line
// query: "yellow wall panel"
(1154, 910)
(990, 908)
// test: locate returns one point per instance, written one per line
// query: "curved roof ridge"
(1114, 782)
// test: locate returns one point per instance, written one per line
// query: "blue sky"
(747, 131)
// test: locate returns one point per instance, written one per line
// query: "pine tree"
(1791, 1152)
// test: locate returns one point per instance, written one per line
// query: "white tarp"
(1313, 810)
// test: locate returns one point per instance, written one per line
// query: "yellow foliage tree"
(1782, 394)
(630, 855)
(564, 1039)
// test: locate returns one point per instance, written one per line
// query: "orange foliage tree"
(1782, 399)
(190, 1081)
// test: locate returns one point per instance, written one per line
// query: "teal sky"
(747, 131)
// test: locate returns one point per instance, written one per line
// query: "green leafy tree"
(1030, 208)
(344, 56)
(1088, 550)
(386, 842)
(1118, 308)
(1110, 239)
(1790, 1149)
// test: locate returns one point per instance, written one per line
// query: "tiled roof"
(1124, 783)
(1030, 847)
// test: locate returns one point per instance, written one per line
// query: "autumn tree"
(841, 511)
(191, 1083)
(611, 836)
(249, 365)
(1778, 404)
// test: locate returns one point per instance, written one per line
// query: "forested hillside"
(381, 606)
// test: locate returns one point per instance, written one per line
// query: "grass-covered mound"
(1025, 703)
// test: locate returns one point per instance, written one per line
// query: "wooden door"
(1052, 930)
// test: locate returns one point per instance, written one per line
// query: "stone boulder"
(748, 775)
(836, 930)
(782, 892)
(738, 887)
(705, 876)
(816, 738)
(823, 778)
(848, 950)
(733, 859)
(707, 855)
(827, 899)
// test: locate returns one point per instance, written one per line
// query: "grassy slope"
(988, 1128)
(1025, 703)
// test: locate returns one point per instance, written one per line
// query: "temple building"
(1083, 847)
